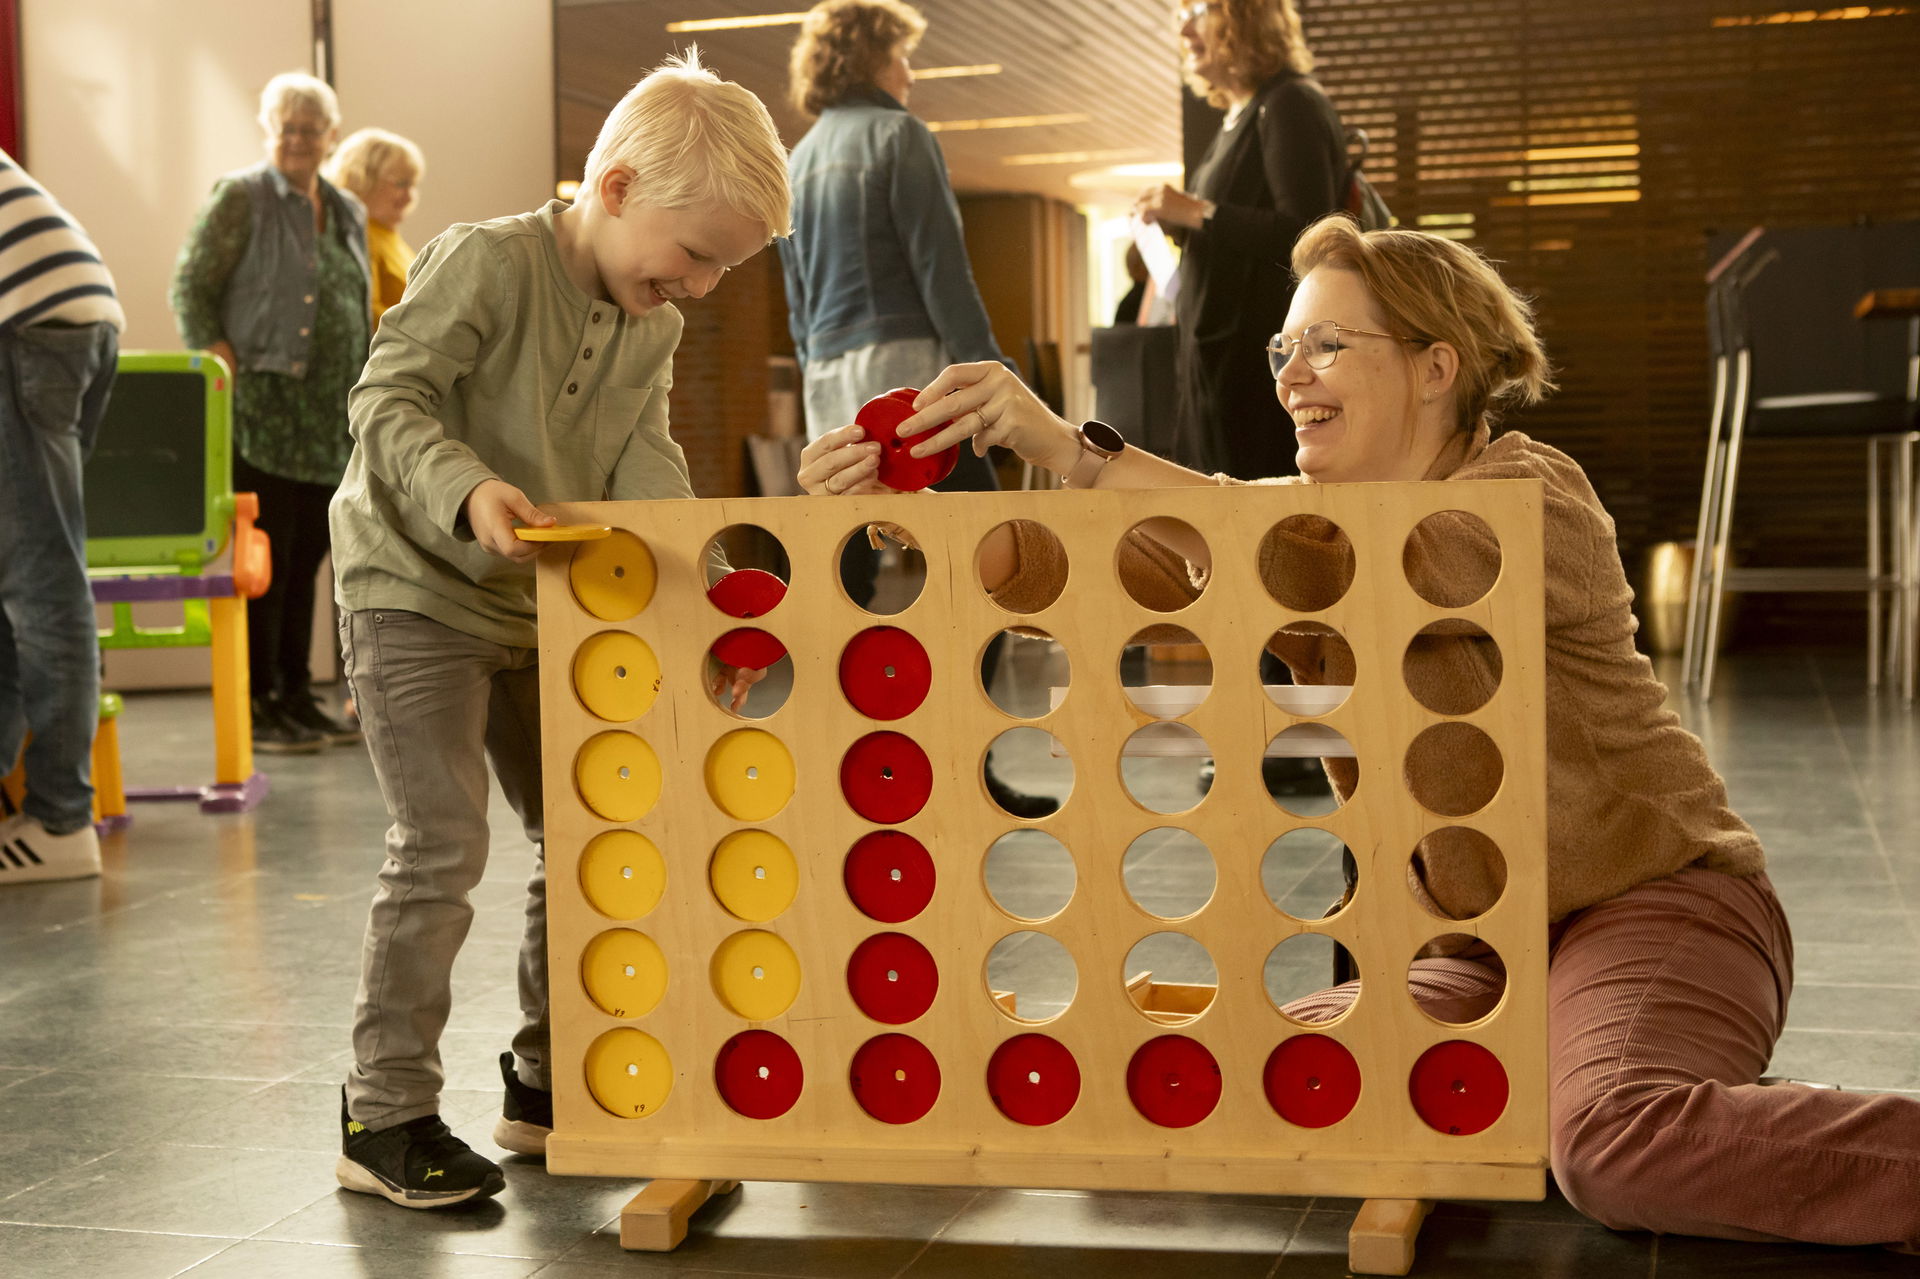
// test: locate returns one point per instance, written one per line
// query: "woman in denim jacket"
(273, 278)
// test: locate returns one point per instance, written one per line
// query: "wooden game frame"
(1382, 1149)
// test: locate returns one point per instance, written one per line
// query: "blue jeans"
(54, 381)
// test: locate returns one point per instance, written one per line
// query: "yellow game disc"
(629, 1073)
(612, 578)
(750, 774)
(756, 974)
(622, 874)
(754, 875)
(624, 972)
(616, 675)
(618, 776)
(563, 533)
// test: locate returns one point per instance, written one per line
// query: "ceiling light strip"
(735, 24)
(1006, 122)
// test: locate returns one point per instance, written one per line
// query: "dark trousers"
(1229, 417)
(293, 514)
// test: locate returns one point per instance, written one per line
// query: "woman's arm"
(213, 248)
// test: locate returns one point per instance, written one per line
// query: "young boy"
(528, 362)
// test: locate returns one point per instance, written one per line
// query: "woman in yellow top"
(384, 170)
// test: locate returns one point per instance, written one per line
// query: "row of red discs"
(885, 673)
(1311, 1081)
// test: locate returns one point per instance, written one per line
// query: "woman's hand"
(492, 508)
(224, 349)
(989, 404)
(1170, 206)
(840, 462)
(742, 678)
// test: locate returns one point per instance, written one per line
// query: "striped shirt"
(49, 269)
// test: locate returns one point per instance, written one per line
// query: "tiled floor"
(172, 1038)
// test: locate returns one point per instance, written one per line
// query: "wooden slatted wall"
(1590, 149)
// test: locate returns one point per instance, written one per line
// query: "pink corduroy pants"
(1663, 1007)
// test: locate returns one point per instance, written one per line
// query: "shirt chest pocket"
(616, 419)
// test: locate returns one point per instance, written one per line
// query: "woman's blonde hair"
(843, 44)
(1432, 289)
(692, 138)
(368, 155)
(292, 90)
(1256, 40)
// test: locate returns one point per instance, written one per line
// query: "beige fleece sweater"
(1630, 795)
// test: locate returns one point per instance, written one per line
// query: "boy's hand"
(743, 678)
(492, 508)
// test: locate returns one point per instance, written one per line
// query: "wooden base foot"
(1381, 1240)
(655, 1220)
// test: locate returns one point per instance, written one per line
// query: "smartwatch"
(1099, 444)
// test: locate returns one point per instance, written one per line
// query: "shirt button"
(308, 299)
(587, 354)
(596, 317)
(299, 368)
(572, 387)
(306, 332)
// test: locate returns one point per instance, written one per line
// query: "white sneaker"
(29, 853)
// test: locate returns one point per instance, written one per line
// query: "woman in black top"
(1274, 168)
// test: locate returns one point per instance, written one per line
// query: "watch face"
(1103, 437)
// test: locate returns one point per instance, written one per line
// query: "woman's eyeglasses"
(1191, 12)
(1319, 342)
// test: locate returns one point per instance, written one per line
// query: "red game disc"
(1174, 1081)
(745, 646)
(893, 978)
(758, 1074)
(894, 1078)
(885, 672)
(886, 777)
(899, 469)
(1312, 1081)
(1033, 1079)
(1458, 1087)
(889, 876)
(747, 592)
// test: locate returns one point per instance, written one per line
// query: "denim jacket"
(267, 307)
(876, 253)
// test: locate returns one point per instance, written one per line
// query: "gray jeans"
(437, 706)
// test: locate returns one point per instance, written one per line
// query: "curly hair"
(1257, 40)
(842, 44)
(1432, 289)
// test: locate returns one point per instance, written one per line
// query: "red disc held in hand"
(1033, 1079)
(894, 1078)
(885, 672)
(886, 777)
(1174, 1081)
(1312, 1081)
(754, 649)
(893, 978)
(899, 469)
(889, 876)
(747, 592)
(1458, 1087)
(758, 1074)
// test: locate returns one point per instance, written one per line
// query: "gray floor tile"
(262, 1259)
(1479, 1245)
(188, 1189)
(1683, 1258)
(63, 1252)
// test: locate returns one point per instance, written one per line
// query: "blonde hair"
(1257, 39)
(1432, 289)
(843, 44)
(368, 155)
(691, 138)
(292, 90)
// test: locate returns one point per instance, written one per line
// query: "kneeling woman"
(1670, 961)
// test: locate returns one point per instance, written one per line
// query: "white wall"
(470, 81)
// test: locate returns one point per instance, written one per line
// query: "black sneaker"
(418, 1164)
(526, 1117)
(1019, 803)
(306, 712)
(275, 734)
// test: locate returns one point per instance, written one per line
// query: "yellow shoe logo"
(354, 1126)
(433, 1172)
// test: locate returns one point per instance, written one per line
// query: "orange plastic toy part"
(252, 552)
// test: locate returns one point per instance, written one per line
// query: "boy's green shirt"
(494, 366)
